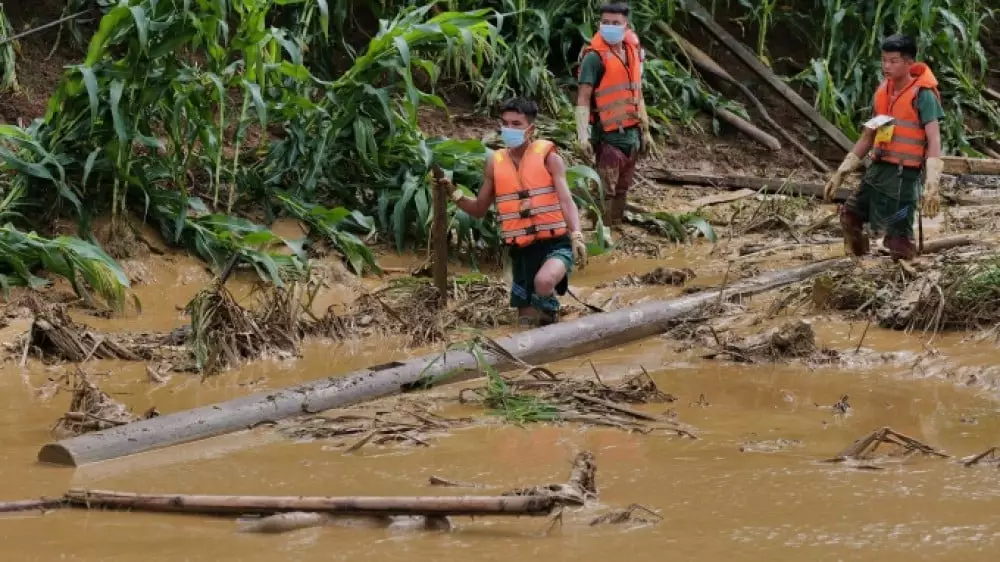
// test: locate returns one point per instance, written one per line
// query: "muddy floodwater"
(752, 487)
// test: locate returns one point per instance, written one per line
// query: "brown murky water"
(719, 503)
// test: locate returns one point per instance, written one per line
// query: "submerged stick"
(40, 504)
(542, 345)
(348, 505)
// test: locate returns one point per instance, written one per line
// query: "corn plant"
(844, 39)
(8, 57)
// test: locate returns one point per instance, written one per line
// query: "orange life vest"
(616, 98)
(526, 199)
(908, 145)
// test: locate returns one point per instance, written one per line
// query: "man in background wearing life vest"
(612, 126)
(889, 193)
(539, 221)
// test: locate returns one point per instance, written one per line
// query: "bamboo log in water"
(348, 505)
(41, 504)
(538, 346)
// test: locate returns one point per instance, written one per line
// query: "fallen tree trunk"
(707, 64)
(748, 58)
(551, 343)
(269, 505)
(747, 128)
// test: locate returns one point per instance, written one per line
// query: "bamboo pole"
(551, 343)
(748, 58)
(707, 64)
(40, 504)
(747, 128)
(348, 505)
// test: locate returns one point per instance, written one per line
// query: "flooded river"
(753, 487)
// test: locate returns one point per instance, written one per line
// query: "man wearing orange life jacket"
(539, 221)
(612, 126)
(890, 191)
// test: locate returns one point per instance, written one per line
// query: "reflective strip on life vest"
(536, 229)
(525, 194)
(530, 212)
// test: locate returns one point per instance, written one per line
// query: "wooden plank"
(723, 198)
(748, 58)
(958, 165)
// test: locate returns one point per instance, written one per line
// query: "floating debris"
(990, 457)
(92, 409)
(659, 276)
(795, 339)
(635, 514)
(898, 446)
(380, 428)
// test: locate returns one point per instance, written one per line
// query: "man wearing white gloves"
(904, 137)
(612, 126)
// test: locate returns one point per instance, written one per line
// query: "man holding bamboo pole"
(539, 221)
(904, 137)
(612, 126)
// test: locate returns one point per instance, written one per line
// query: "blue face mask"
(612, 34)
(513, 138)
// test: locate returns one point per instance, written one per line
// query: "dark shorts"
(617, 169)
(525, 263)
(883, 212)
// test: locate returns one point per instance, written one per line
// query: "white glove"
(851, 162)
(583, 131)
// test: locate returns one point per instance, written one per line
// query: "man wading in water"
(903, 145)
(612, 126)
(539, 221)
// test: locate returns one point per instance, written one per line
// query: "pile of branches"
(959, 290)
(409, 307)
(92, 409)
(793, 340)
(539, 395)
(54, 337)
(405, 425)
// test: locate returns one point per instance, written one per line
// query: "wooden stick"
(40, 504)
(348, 505)
(748, 58)
(708, 64)
(439, 237)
